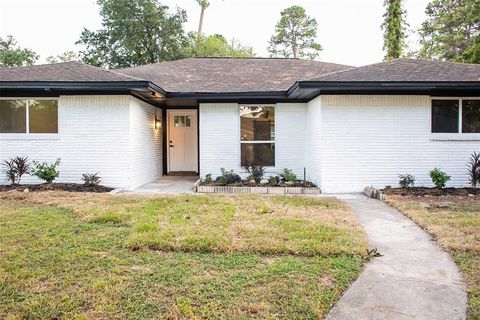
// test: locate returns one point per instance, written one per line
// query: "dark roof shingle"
(61, 72)
(408, 70)
(231, 74)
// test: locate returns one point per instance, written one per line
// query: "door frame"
(166, 137)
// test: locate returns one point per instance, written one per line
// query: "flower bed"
(249, 188)
(71, 187)
(424, 191)
(285, 182)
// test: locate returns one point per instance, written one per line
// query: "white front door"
(182, 141)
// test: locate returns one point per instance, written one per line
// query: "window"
(29, 116)
(181, 121)
(257, 136)
(445, 116)
(456, 116)
(13, 116)
(471, 116)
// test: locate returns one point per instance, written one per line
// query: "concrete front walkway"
(414, 279)
(167, 185)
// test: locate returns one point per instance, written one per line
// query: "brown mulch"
(71, 187)
(248, 184)
(423, 191)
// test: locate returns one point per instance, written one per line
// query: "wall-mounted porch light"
(158, 123)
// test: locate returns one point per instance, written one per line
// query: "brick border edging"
(255, 190)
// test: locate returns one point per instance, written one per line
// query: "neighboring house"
(347, 127)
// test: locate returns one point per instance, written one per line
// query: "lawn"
(84, 256)
(456, 228)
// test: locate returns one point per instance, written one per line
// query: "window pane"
(187, 121)
(176, 121)
(258, 154)
(13, 116)
(257, 123)
(43, 116)
(445, 116)
(471, 116)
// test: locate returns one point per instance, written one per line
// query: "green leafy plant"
(222, 180)
(91, 179)
(439, 178)
(255, 171)
(45, 171)
(273, 181)
(228, 177)
(474, 169)
(208, 178)
(288, 175)
(406, 180)
(15, 168)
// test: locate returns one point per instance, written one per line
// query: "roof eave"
(313, 88)
(81, 87)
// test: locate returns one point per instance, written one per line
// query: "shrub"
(406, 180)
(208, 178)
(91, 179)
(45, 171)
(228, 177)
(439, 178)
(15, 168)
(474, 169)
(288, 175)
(255, 171)
(273, 181)
(222, 180)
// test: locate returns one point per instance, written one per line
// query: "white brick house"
(344, 127)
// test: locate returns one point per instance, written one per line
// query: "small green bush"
(255, 171)
(208, 178)
(91, 179)
(273, 181)
(15, 168)
(288, 175)
(45, 171)
(222, 180)
(474, 169)
(228, 177)
(406, 180)
(439, 178)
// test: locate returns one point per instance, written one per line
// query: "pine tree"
(394, 27)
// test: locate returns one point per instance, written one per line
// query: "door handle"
(171, 146)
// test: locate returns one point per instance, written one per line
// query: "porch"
(167, 185)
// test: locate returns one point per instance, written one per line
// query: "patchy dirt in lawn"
(423, 191)
(70, 187)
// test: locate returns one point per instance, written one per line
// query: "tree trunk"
(200, 24)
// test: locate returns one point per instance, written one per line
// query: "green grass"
(457, 229)
(72, 256)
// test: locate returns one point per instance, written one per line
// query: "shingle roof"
(231, 74)
(60, 72)
(408, 70)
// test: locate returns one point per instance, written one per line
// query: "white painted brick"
(94, 136)
(369, 140)
(220, 138)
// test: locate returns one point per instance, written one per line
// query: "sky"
(349, 30)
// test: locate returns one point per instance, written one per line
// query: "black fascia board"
(381, 86)
(252, 96)
(81, 86)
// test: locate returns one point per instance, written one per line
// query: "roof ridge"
(41, 65)
(107, 70)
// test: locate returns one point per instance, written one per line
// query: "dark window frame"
(246, 142)
(460, 124)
